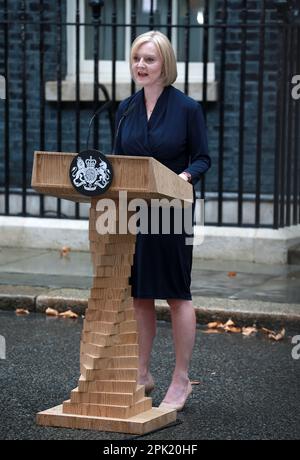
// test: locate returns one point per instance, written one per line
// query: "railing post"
(279, 169)
(96, 6)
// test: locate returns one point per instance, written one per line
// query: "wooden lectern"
(108, 397)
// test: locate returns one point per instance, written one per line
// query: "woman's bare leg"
(184, 331)
(146, 325)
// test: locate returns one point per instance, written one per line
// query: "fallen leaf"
(249, 331)
(214, 325)
(22, 311)
(229, 323)
(233, 329)
(51, 312)
(217, 327)
(195, 382)
(68, 314)
(278, 336)
(231, 274)
(64, 252)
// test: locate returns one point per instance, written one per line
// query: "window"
(105, 32)
(143, 9)
(196, 34)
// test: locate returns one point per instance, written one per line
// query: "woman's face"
(147, 65)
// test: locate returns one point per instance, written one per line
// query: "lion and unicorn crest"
(86, 174)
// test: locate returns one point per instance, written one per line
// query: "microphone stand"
(98, 111)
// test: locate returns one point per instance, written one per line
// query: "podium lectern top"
(141, 177)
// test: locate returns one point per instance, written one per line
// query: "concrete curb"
(63, 299)
(243, 312)
(13, 297)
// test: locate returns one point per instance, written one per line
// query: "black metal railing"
(249, 53)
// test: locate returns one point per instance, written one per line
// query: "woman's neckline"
(155, 106)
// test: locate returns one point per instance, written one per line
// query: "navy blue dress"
(175, 135)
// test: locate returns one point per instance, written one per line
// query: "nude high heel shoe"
(175, 406)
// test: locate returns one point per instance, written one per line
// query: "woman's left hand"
(185, 176)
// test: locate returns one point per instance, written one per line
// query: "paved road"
(250, 387)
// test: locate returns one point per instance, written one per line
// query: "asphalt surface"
(249, 386)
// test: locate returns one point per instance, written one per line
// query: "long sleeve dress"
(175, 135)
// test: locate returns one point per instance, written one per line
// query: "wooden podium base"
(108, 396)
(142, 423)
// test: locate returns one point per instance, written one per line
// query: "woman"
(161, 122)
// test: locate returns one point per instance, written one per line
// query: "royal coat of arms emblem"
(91, 173)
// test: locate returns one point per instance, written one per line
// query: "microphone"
(127, 112)
(98, 111)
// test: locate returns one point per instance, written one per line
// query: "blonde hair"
(164, 47)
